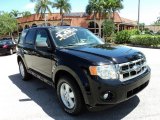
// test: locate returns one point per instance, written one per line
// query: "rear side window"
(30, 37)
(42, 37)
(21, 39)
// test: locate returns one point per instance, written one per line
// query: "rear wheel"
(69, 96)
(10, 51)
(25, 75)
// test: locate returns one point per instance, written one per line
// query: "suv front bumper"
(117, 92)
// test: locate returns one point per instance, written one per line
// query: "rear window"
(4, 42)
(30, 37)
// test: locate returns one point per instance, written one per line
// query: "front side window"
(74, 36)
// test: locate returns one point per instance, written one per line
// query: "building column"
(118, 27)
(100, 30)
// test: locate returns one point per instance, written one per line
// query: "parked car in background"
(7, 46)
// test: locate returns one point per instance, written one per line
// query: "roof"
(128, 21)
(52, 16)
(76, 14)
(57, 16)
(117, 18)
(37, 17)
(73, 16)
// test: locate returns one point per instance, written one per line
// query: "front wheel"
(25, 75)
(70, 96)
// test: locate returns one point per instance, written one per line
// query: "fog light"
(107, 95)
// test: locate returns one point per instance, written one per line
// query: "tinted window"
(30, 36)
(22, 37)
(6, 42)
(42, 37)
(70, 36)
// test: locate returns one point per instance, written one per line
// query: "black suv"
(81, 67)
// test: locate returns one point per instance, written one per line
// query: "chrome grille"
(132, 69)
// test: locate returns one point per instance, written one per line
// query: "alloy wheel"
(67, 95)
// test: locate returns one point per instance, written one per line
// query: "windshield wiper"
(77, 44)
(93, 44)
(70, 45)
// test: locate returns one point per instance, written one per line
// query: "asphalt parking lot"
(34, 100)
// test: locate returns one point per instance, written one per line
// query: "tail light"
(5, 46)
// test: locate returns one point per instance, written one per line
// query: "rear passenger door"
(28, 48)
(42, 58)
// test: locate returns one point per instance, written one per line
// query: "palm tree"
(111, 6)
(158, 19)
(117, 6)
(15, 13)
(94, 7)
(26, 14)
(8, 24)
(41, 7)
(139, 2)
(1, 12)
(64, 7)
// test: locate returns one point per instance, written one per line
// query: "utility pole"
(138, 13)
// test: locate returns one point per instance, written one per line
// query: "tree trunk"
(45, 19)
(61, 12)
(94, 17)
(10, 34)
(100, 27)
(113, 14)
(62, 19)
(109, 15)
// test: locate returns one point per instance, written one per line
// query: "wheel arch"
(20, 58)
(64, 70)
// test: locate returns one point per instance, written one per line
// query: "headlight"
(105, 71)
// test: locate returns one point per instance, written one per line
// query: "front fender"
(20, 57)
(76, 77)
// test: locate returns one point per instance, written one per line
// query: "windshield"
(4, 42)
(74, 36)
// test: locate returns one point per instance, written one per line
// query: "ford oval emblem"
(137, 68)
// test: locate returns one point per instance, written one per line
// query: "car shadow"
(4, 55)
(45, 97)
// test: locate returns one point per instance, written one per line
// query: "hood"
(116, 54)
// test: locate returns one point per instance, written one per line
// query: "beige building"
(154, 28)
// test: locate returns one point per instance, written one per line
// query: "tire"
(23, 71)
(10, 51)
(68, 92)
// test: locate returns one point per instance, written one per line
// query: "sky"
(150, 9)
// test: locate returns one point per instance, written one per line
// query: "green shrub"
(108, 28)
(123, 37)
(158, 33)
(134, 32)
(145, 40)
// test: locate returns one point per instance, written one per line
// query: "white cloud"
(29, 6)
